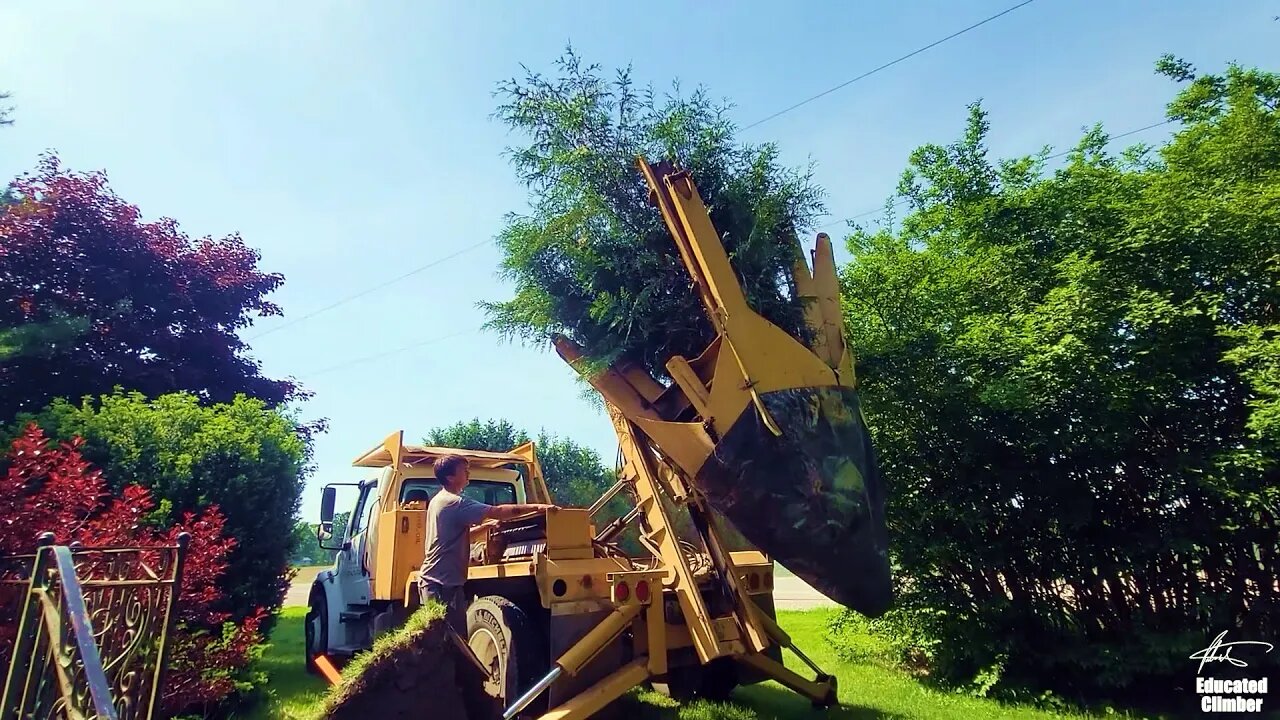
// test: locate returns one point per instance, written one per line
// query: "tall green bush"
(1073, 382)
(242, 456)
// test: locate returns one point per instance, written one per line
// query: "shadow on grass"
(293, 694)
(763, 701)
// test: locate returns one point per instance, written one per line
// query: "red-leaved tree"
(51, 488)
(92, 297)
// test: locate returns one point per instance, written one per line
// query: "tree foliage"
(242, 457)
(574, 474)
(52, 488)
(92, 297)
(306, 549)
(1073, 380)
(593, 260)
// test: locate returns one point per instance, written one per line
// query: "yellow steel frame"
(743, 635)
(749, 356)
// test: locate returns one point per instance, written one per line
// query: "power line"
(889, 64)
(394, 351)
(434, 263)
(902, 200)
(438, 339)
(362, 293)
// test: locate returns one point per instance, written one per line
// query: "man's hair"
(448, 466)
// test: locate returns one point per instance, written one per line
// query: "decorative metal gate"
(93, 628)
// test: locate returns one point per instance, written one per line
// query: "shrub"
(1070, 377)
(47, 488)
(242, 457)
(900, 638)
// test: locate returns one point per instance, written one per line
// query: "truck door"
(353, 573)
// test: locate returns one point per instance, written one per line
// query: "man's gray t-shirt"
(449, 517)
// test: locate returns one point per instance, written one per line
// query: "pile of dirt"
(420, 670)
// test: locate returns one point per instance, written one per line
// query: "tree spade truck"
(755, 451)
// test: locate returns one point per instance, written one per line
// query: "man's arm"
(506, 512)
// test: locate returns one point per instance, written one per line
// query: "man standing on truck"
(450, 517)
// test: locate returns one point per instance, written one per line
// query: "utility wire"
(887, 65)
(439, 339)
(394, 351)
(362, 293)
(434, 263)
(902, 200)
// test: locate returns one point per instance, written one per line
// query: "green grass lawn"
(292, 692)
(866, 691)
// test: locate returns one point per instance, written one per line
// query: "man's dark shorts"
(454, 600)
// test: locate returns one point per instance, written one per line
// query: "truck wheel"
(680, 684)
(316, 629)
(713, 681)
(719, 678)
(509, 645)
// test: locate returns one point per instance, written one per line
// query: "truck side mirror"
(327, 497)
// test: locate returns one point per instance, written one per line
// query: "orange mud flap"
(328, 670)
(333, 676)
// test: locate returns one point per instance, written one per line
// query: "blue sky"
(352, 141)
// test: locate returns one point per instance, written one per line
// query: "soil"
(421, 670)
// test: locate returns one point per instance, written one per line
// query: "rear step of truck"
(355, 616)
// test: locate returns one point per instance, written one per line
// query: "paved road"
(792, 593)
(301, 586)
(789, 592)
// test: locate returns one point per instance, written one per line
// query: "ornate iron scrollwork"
(93, 628)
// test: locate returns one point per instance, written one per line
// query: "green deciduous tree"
(306, 548)
(41, 339)
(306, 544)
(242, 456)
(575, 475)
(593, 260)
(1073, 380)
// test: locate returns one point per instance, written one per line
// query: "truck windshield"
(489, 492)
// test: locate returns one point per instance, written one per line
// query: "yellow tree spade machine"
(757, 451)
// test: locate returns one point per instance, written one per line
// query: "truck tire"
(719, 679)
(316, 629)
(714, 681)
(507, 642)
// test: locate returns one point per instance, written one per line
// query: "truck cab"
(371, 586)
